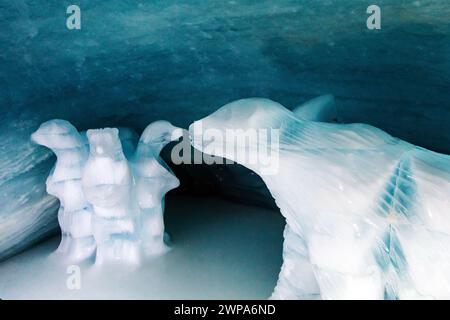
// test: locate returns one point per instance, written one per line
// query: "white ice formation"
(64, 182)
(367, 215)
(111, 194)
(153, 179)
(107, 184)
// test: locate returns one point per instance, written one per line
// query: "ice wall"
(27, 213)
(134, 62)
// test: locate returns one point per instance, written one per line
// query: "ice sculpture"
(107, 184)
(64, 182)
(153, 179)
(368, 215)
(111, 194)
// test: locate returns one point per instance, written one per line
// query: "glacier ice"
(367, 214)
(111, 192)
(107, 184)
(153, 179)
(64, 182)
(235, 180)
(28, 213)
(128, 138)
(232, 49)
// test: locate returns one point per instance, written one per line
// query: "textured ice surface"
(128, 138)
(136, 61)
(369, 212)
(106, 204)
(236, 180)
(233, 181)
(107, 184)
(64, 182)
(153, 179)
(27, 213)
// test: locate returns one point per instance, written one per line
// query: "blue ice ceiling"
(134, 62)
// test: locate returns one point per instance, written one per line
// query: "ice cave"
(128, 168)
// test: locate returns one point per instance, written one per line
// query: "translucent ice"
(368, 215)
(153, 179)
(107, 205)
(236, 181)
(64, 182)
(27, 214)
(128, 138)
(107, 184)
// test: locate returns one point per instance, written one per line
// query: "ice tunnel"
(135, 62)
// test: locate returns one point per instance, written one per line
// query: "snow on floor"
(220, 250)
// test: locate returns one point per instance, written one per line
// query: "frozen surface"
(220, 250)
(134, 62)
(370, 212)
(27, 213)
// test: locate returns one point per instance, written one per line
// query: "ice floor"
(220, 250)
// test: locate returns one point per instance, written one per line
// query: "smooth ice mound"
(111, 192)
(367, 215)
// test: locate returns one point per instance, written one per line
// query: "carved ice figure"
(103, 206)
(107, 185)
(64, 182)
(236, 180)
(369, 212)
(153, 179)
